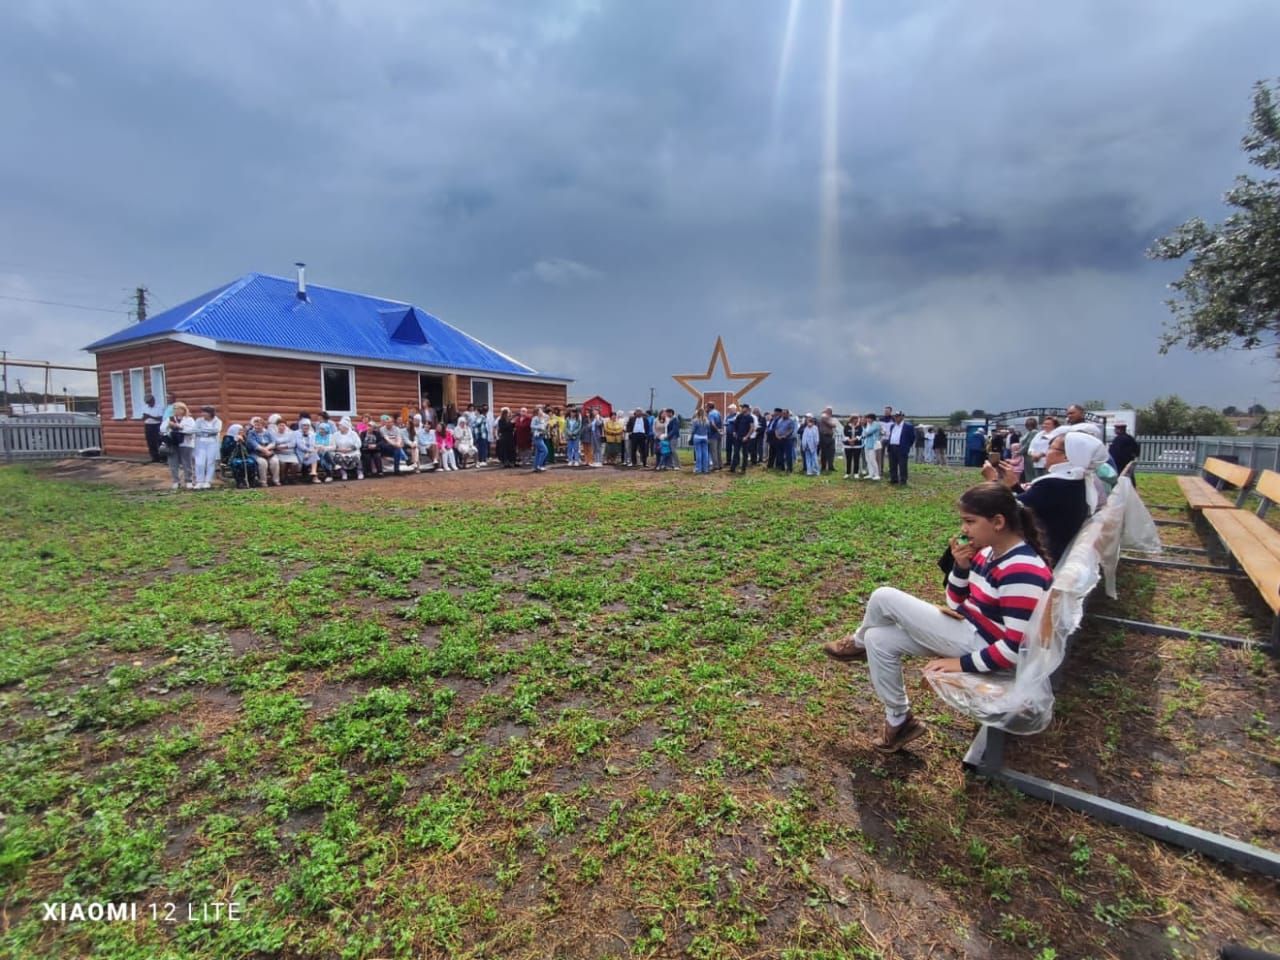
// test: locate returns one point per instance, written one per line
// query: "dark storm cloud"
(558, 176)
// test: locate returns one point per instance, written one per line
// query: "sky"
(934, 204)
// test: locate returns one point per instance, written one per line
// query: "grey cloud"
(996, 194)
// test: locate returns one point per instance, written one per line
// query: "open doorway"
(431, 391)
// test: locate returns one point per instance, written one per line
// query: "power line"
(59, 303)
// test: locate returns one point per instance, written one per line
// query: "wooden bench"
(1252, 543)
(1203, 495)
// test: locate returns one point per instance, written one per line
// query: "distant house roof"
(266, 312)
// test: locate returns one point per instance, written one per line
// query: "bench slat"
(1269, 485)
(1232, 473)
(1255, 546)
(1201, 495)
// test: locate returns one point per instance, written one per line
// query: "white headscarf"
(344, 422)
(1086, 453)
(235, 430)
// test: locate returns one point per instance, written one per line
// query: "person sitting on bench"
(998, 578)
(1059, 497)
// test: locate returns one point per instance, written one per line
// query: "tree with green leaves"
(1173, 416)
(1230, 292)
(957, 417)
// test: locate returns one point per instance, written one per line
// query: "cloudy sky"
(600, 187)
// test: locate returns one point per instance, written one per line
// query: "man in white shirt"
(152, 415)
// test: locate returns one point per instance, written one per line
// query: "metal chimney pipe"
(302, 280)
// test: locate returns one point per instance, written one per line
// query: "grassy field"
(583, 720)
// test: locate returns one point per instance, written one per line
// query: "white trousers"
(895, 625)
(206, 460)
(872, 461)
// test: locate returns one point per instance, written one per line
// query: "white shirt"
(895, 433)
(639, 426)
(152, 413)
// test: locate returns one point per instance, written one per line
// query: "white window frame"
(472, 389)
(159, 389)
(351, 383)
(137, 391)
(119, 408)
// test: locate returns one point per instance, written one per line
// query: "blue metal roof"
(264, 311)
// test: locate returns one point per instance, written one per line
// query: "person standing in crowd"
(715, 433)
(673, 439)
(928, 442)
(538, 432)
(700, 437)
(919, 442)
(1030, 430)
(152, 418)
(810, 443)
(524, 435)
(481, 428)
(785, 429)
(1124, 450)
(573, 438)
(742, 427)
(940, 446)
(205, 447)
(758, 454)
(852, 447)
(828, 426)
(180, 431)
(771, 439)
(902, 438)
(886, 422)
(506, 433)
(638, 430)
(1076, 418)
(976, 448)
(1037, 447)
(730, 435)
(614, 436)
(872, 443)
(597, 438)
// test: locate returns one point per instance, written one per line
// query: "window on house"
(118, 410)
(137, 391)
(338, 389)
(157, 383)
(482, 393)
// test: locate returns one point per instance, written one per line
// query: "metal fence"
(48, 436)
(1187, 454)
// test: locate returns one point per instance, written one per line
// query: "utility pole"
(651, 389)
(4, 360)
(141, 296)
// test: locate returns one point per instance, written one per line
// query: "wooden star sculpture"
(687, 380)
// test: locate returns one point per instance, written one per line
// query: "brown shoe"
(895, 738)
(844, 649)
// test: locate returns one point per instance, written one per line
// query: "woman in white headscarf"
(346, 451)
(1059, 498)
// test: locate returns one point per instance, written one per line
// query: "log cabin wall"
(191, 373)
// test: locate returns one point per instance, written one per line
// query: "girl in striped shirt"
(998, 578)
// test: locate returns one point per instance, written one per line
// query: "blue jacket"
(908, 436)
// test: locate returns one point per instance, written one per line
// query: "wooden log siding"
(243, 385)
(191, 373)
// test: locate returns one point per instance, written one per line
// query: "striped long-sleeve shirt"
(997, 596)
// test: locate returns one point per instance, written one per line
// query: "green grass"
(590, 720)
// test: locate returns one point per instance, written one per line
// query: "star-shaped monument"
(687, 380)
